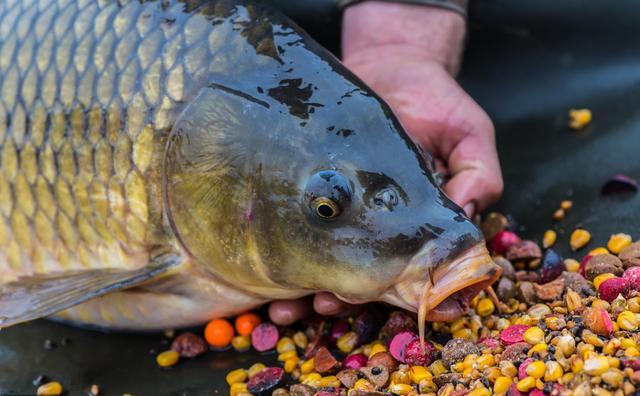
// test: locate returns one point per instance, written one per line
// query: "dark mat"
(527, 63)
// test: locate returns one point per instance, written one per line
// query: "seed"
(50, 389)
(347, 342)
(502, 384)
(329, 381)
(287, 355)
(566, 204)
(238, 388)
(600, 250)
(255, 369)
(307, 366)
(377, 348)
(549, 238)
(553, 371)
(566, 345)
(167, 358)
(538, 348)
(633, 304)
(631, 352)
(400, 389)
(627, 343)
(573, 301)
(418, 373)
(437, 368)
(579, 118)
(236, 376)
(613, 378)
(571, 265)
(601, 278)
(364, 385)
(533, 335)
(508, 369)
(596, 365)
(485, 361)
(301, 340)
(485, 307)
(290, 364)
(627, 320)
(536, 369)
(526, 384)
(285, 344)
(617, 242)
(479, 391)
(241, 343)
(579, 238)
(558, 214)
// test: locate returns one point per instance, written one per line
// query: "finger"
(328, 304)
(476, 180)
(286, 312)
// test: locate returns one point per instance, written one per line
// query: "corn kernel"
(536, 369)
(631, 352)
(508, 369)
(627, 343)
(526, 384)
(300, 339)
(329, 381)
(426, 386)
(579, 118)
(534, 335)
(479, 391)
(363, 384)
(458, 324)
(571, 265)
(627, 320)
(465, 334)
(347, 342)
(601, 278)
(238, 388)
(492, 373)
(400, 377)
(458, 367)
(418, 373)
(633, 304)
(549, 238)
(50, 389)
(400, 389)
(235, 376)
(614, 362)
(308, 366)
(579, 238)
(241, 343)
(577, 365)
(485, 361)
(255, 369)
(617, 242)
(311, 379)
(167, 358)
(553, 371)
(538, 348)
(611, 346)
(285, 344)
(596, 365)
(566, 204)
(287, 355)
(485, 307)
(437, 368)
(377, 348)
(592, 339)
(502, 384)
(598, 251)
(290, 364)
(598, 391)
(558, 214)
(573, 301)
(613, 378)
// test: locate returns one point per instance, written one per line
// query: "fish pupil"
(325, 210)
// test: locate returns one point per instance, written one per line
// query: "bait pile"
(551, 327)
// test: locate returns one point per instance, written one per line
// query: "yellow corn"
(579, 238)
(311, 379)
(601, 278)
(485, 307)
(592, 339)
(285, 344)
(238, 388)
(536, 369)
(508, 369)
(479, 391)
(553, 371)
(329, 381)
(571, 265)
(364, 385)
(617, 242)
(631, 352)
(614, 362)
(534, 335)
(307, 366)
(400, 389)
(465, 334)
(437, 368)
(538, 348)
(290, 364)
(573, 301)
(598, 391)
(377, 348)
(566, 204)
(633, 304)
(485, 361)
(50, 389)
(458, 367)
(287, 355)
(418, 373)
(241, 343)
(300, 339)
(558, 214)
(255, 369)
(611, 346)
(502, 384)
(598, 251)
(627, 320)
(526, 384)
(549, 238)
(579, 118)
(596, 365)
(401, 377)
(627, 343)
(167, 358)
(577, 364)
(347, 342)
(235, 376)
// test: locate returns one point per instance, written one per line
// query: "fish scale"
(89, 91)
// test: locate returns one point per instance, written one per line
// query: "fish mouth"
(448, 289)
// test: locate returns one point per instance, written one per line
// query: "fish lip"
(455, 281)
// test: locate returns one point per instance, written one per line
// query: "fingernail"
(470, 209)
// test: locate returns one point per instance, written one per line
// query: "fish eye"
(328, 194)
(326, 208)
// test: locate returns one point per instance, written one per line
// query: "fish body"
(166, 162)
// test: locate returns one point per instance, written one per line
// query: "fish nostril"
(387, 197)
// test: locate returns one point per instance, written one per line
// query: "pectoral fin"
(34, 297)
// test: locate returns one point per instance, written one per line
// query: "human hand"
(408, 55)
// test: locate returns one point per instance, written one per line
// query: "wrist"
(375, 29)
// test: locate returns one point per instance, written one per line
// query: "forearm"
(372, 29)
